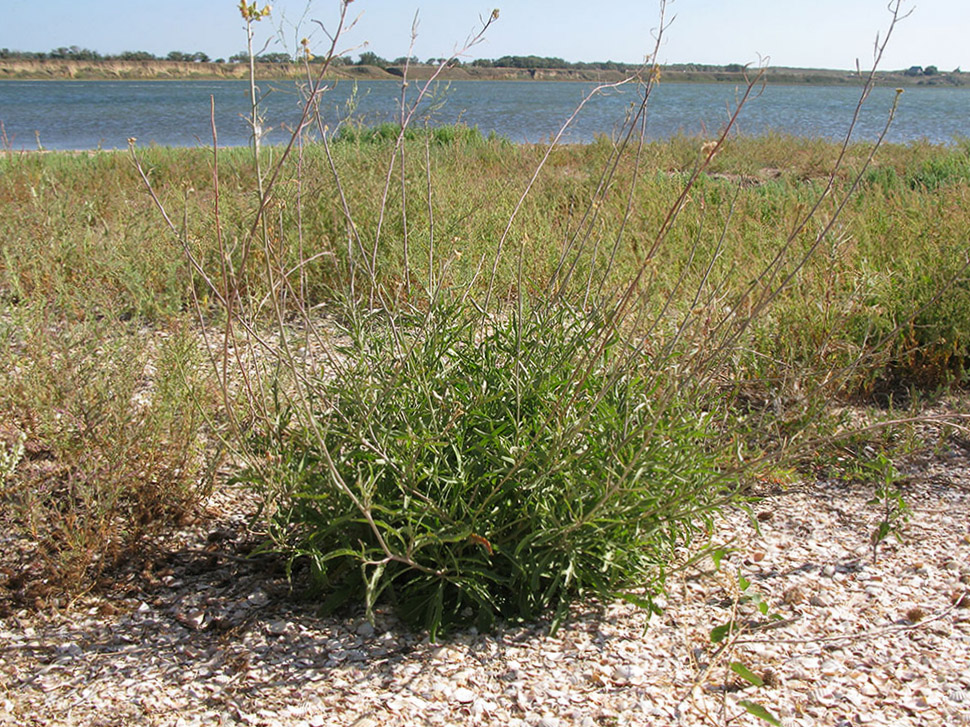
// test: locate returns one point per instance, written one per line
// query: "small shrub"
(941, 170)
(884, 178)
(467, 463)
(388, 132)
(888, 498)
(475, 475)
(110, 455)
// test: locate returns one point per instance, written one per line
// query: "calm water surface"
(92, 114)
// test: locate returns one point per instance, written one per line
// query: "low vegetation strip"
(80, 235)
(84, 68)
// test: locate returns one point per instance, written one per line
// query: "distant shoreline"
(64, 70)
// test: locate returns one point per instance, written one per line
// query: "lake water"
(92, 114)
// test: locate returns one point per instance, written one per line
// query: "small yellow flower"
(251, 13)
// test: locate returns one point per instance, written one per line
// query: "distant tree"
(413, 60)
(274, 58)
(542, 62)
(734, 68)
(930, 71)
(367, 58)
(136, 55)
(529, 62)
(200, 57)
(914, 71)
(75, 53)
(220, 60)
(611, 66)
(242, 57)
(177, 55)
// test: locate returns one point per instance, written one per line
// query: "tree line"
(76, 53)
(369, 58)
(366, 58)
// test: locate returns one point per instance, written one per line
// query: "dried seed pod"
(915, 614)
(794, 595)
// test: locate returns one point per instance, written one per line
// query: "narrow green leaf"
(745, 673)
(881, 532)
(717, 556)
(760, 712)
(373, 589)
(639, 601)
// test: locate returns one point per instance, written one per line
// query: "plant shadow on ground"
(213, 621)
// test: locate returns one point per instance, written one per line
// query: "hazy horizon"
(826, 34)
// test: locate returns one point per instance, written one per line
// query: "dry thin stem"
(407, 116)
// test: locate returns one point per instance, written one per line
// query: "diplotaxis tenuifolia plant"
(482, 425)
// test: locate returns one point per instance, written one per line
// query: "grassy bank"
(105, 383)
(116, 70)
(113, 70)
(81, 233)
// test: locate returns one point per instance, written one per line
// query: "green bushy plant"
(514, 424)
(941, 170)
(496, 472)
(388, 133)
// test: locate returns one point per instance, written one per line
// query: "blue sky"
(804, 33)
